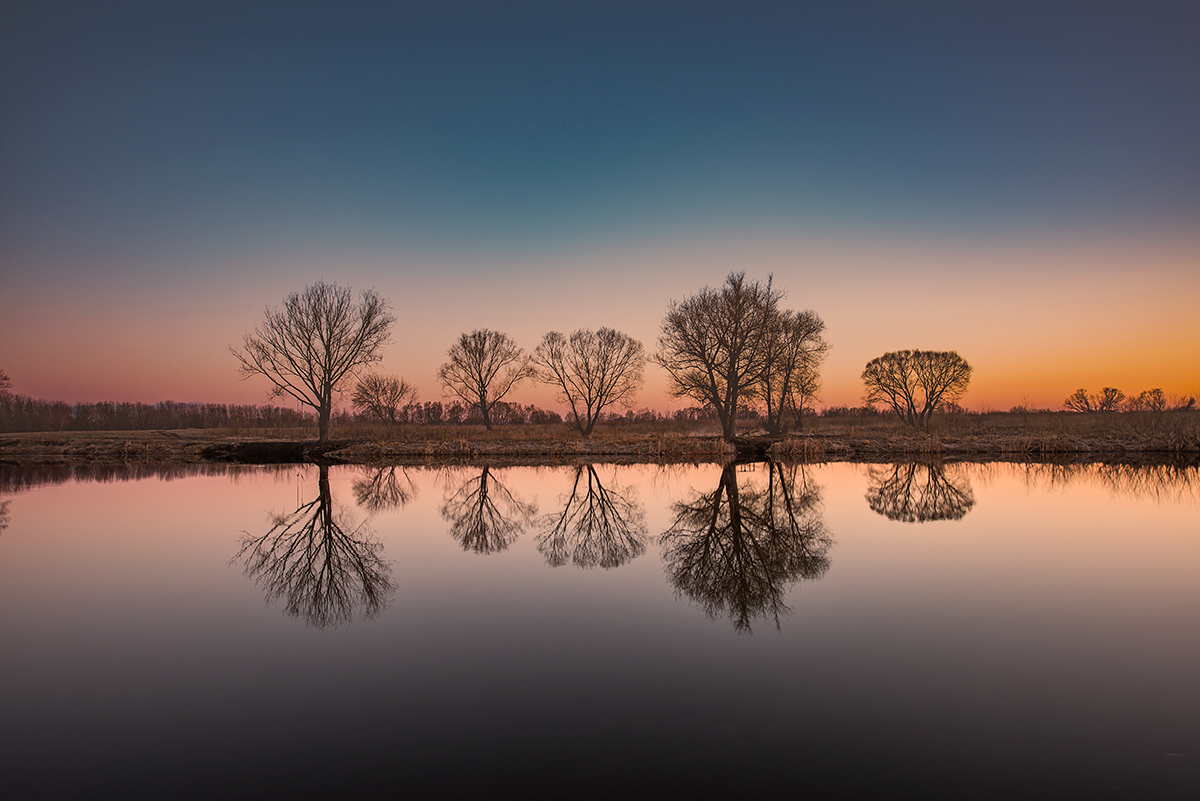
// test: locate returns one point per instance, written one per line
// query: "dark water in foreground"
(968, 631)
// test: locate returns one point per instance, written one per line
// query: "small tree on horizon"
(382, 396)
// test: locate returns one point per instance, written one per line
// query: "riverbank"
(847, 443)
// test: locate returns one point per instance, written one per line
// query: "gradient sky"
(1019, 182)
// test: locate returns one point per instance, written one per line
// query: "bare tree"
(1079, 401)
(5, 384)
(1109, 399)
(320, 336)
(591, 370)
(715, 345)
(484, 366)
(793, 371)
(382, 396)
(916, 382)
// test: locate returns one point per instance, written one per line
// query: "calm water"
(839, 630)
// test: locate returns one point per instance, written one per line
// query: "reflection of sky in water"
(1045, 643)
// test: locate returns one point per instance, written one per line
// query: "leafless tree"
(1109, 399)
(5, 384)
(916, 382)
(598, 526)
(1150, 400)
(715, 345)
(320, 336)
(4, 514)
(476, 518)
(792, 374)
(382, 395)
(319, 563)
(591, 371)
(484, 366)
(736, 550)
(916, 493)
(1079, 401)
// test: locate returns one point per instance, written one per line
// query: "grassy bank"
(1000, 435)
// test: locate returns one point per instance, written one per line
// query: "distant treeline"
(21, 413)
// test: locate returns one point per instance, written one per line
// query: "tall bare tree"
(5, 384)
(715, 345)
(484, 366)
(382, 395)
(793, 371)
(916, 382)
(591, 371)
(307, 348)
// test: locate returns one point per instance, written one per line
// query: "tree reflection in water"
(736, 550)
(4, 505)
(319, 563)
(598, 526)
(384, 488)
(484, 516)
(914, 492)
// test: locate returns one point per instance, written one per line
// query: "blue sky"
(175, 159)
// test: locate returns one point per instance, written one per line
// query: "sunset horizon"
(1020, 187)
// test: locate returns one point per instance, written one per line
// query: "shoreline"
(191, 447)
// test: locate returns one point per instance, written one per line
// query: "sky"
(1018, 182)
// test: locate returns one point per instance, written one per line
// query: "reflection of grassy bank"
(1002, 436)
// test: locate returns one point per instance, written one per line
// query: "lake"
(835, 630)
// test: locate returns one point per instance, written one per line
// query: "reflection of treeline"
(22, 413)
(1169, 482)
(24, 477)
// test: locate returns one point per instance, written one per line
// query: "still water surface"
(838, 630)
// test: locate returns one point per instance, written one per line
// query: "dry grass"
(999, 435)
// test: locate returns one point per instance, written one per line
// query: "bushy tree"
(914, 383)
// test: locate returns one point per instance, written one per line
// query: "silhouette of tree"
(1079, 401)
(591, 370)
(307, 348)
(4, 514)
(597, 526)
(792, 374)
(382, 396)
(1109, 399)
(484, 516)
(735, 551)
(916, 382)
(916, 492)
(5, 385)
(715, 345)
(384, 488)
(484, 366)
(319, 563)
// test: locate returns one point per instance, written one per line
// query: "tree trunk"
(323, 421)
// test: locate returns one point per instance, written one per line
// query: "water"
(841, 630)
